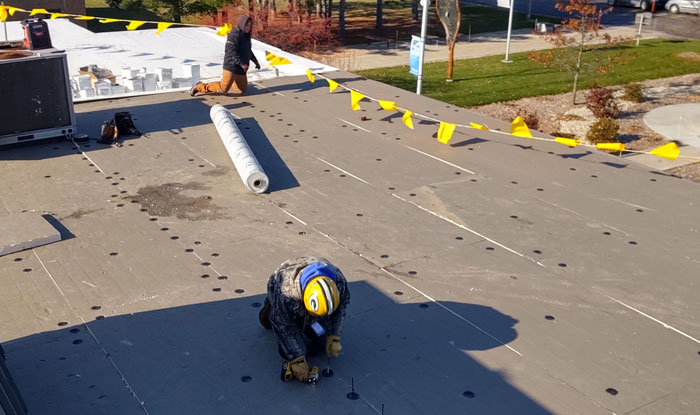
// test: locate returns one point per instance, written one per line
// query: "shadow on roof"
(214, 358)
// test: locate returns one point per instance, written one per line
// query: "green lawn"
(486, 80)
(95, 3)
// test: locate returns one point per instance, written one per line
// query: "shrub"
(531, 118)
(633, 93)
(311, 34)
(603, 131)
(601, 102)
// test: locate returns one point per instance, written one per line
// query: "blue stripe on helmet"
(313, 270)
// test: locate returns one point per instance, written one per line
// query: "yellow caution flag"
(3, 13)
(478, 126)
(445, 132)
(224, 30)
(274, 60)
(519, 128)
(278, 60)
(388, 105)
(39, 11)
(668, 151)
(332, 85)
(162, 26)
(85, 17)
(611, 146)
(311, 76)
(116, 20)
(571, 142)
(134, 24)
(407, 119)
(58, 15)
(355, 98)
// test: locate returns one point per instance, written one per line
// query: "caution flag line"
(518, 127)
(133, 24)
(669, 150)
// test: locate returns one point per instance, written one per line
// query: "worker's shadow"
(411, 355)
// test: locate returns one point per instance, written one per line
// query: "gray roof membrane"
(494, 275)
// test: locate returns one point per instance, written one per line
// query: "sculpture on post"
(450, 15)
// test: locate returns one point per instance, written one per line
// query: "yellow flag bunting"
(274, 60)
(355, 98)
(6, 11)
(611, 146)
(34, 12)
(478, 126)
(519, 128)
(310, 75)
(162, 26)
(224, 30)
(407, 119)
(668, 151)
(332, 85)
(571, 142)
(388, 105)
(445, 132)
(133, 25)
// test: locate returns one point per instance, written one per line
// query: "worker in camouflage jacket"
(305, 296)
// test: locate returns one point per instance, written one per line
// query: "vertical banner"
(414, 57)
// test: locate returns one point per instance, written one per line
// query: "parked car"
(683, 6)
(642, 4)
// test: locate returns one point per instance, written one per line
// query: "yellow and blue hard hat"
(321, 296)
(320, 292)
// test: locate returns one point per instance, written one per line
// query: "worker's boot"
(195, 89)
(264, 315)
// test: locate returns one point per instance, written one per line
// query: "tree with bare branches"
(580, 35)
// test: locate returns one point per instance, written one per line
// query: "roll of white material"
(246, 164)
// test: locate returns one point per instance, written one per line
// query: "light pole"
(510, 27)
(421, 57)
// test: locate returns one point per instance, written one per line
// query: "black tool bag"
(120, 125)
(125, 125)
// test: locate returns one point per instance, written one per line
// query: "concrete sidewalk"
(386, 54)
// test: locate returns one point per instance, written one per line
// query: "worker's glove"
(300, 369)
(333, 346)
(257, 65)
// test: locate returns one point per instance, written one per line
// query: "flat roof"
(494, 275)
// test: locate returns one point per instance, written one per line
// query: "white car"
(642, 4)
(683, 6)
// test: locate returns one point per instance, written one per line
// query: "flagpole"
(421, 57)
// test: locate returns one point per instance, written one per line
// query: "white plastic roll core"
(246, 164)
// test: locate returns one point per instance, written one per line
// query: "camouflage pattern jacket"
(288, 315)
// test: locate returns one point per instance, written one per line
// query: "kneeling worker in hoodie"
(237, 57)
(306, 296)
